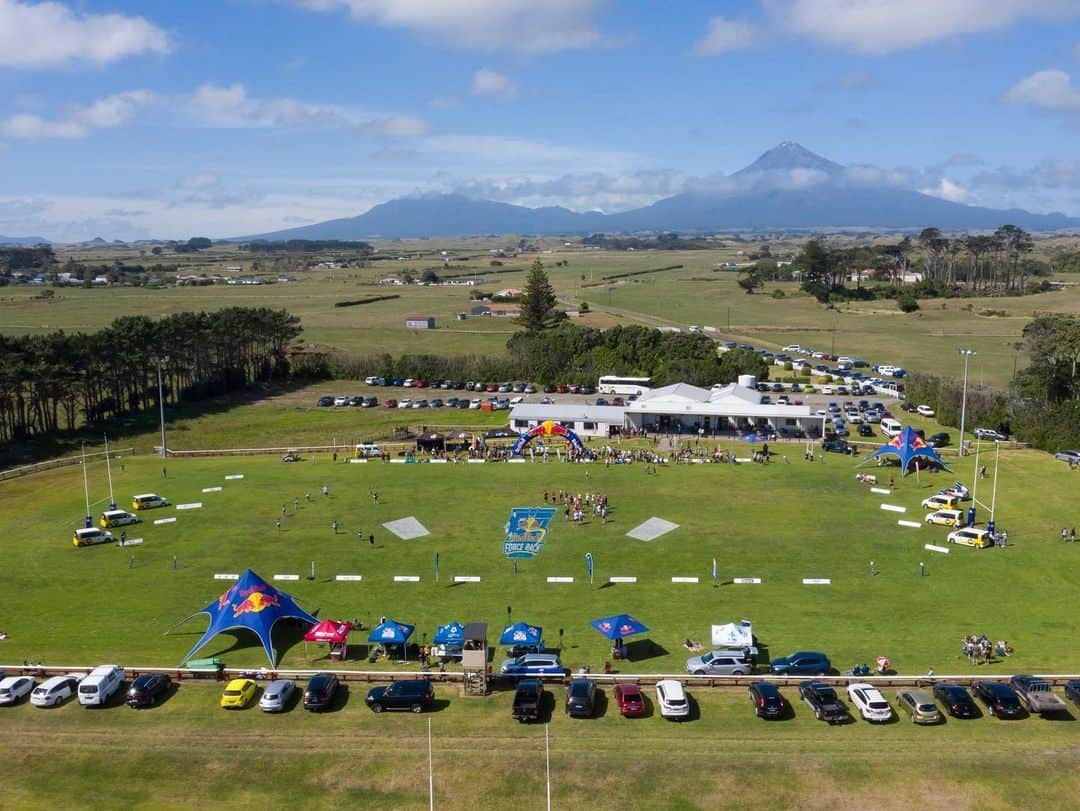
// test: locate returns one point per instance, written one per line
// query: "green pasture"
(188, 752)
(780, 522)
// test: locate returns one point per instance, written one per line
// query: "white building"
(685, 408)
(583, 419)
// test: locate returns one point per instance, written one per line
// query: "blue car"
(533, 664)
(809, 662)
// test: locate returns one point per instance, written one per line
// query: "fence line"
(37, 467)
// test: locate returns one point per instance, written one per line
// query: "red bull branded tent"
(250, 603)
(909, 447)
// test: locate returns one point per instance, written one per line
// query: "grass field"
(781, 522)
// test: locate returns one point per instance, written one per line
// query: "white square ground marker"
(407, 528)
(651, 529)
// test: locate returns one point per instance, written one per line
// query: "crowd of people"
(577, 505)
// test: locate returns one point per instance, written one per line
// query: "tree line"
(61, 381)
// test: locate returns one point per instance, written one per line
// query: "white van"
(365, 449)
(147, 501)
(97, 688)
(890, 427)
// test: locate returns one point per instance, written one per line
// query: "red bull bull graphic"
(254, 603)
(526, 530)
(548, 429)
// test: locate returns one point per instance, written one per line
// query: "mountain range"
(23, 241)
(786, 188)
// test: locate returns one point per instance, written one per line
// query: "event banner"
(525, 531)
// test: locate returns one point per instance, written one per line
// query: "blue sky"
(170, 119)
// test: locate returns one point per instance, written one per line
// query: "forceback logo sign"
(525, 531)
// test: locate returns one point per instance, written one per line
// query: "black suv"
(768, 703)
(320, 692)
(581, 698)
(939, 440)
(147, 690)
(412, 695)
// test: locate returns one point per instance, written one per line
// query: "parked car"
(801, 662)
(14, 688)
(90, 537)
(1037, 695)
(1001, 700)
(356, 401)
(406, 403)
(325, 401)
(767, 699)
(836, 445)
(581, 698)
(946, 518)
(869, 701)
(412, 695)
(100, 684)
(939, 502)
(148, 501)
(320, 692)
(822, 700)
(390, 403)
(938, 440)
(528, 700)
(238, 694)
(924, 410)
(276, 696)
(866, 429)
(1072, 691)
(148, 689)
(371, 402)
(958, 702)
(719, 663)
(990, 433)
(971, 536)
(341, 400)
(672, 700)
(533, 664)
(55, 690)
(117, 518)
(631, 701)
(1071, 457)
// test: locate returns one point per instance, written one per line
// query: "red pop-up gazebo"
(332, 632)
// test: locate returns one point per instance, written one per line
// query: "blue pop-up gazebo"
(250, 603)
(452, 634)
(619, 626)
(392, 632)
(523, 634)
(908, 446)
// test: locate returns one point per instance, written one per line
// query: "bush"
(907, 302)
(778, 293)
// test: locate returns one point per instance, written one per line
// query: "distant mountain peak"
(789, 155)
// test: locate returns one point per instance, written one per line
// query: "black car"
(822, 699)
(837, 446)
(1072, 691)
(412, 695)
(148, 689)
(777, 387)
(1000, 699)
(320, 692)
(939, 440)
(958, 702)
(866, 429)
(581, 698)
(549, 389)
(766, 698)
(325, 401)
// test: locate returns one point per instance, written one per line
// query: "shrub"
(907, 302)
(778, 293)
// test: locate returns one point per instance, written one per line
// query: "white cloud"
(47, 35)
(726, 35)
(888, 26)
(1050, 90)
(80, 122)
(202, 180)
(947, 190)
(444, 102)
(488, 82)
(536, 26)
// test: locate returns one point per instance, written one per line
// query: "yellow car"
(946, 518)
(977, 538)
(238, 694)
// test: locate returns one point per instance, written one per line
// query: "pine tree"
(537, 299)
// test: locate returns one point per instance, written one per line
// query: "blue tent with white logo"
(619, 626)
(908, 446)
(250, 603)
(521, 633)
(392, 632)
(452, 634)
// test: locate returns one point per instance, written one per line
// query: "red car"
(631, 702)
(421, 384)
(391, 403)
(561, 389)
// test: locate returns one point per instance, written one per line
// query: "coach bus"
(617, 384)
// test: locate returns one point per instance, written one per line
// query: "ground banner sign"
(525, 531)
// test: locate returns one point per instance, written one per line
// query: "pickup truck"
(1037, 694)
(822, 699)
(413, 695)
(527, 700)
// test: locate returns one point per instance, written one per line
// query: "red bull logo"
(254, 603)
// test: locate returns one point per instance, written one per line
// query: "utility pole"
(161, 360)
(966, 353)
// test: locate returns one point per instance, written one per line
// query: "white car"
(409, 383)
(56, 690)
(853, 417)
(939, 502)
(15, 687)
(869, 701)
(672, 700)
(792, 348)
(515, 400)
(924, 410)
(341, 400)
(971, 536)
(474, 404)
(828, 390)
(945, 518)
(276, 696)
(406, 403)
(117, 518)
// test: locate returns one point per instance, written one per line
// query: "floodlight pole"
(86, 488)
(967, 353)
(993, 492)
(161, 361)
(108, 469)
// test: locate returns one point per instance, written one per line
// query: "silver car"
(276, 696)
(719, 663)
